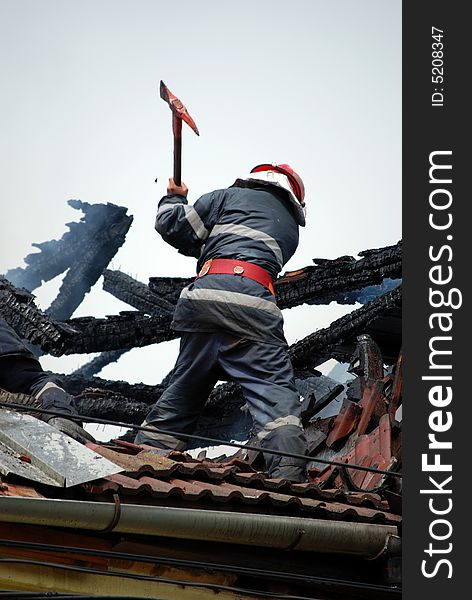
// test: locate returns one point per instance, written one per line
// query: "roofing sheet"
(37, 451)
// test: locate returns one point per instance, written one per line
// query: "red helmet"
(288, 179)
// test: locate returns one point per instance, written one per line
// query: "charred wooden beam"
(120, 401)
(17, 307)
(169, 288)
(109, 236)
(82, 335)
(111, 406)
(84, 251)
(98, 363)
(56, 256)
(129, 329)
(134, 329)
(136, 294)
(344, 280)
(102, 388)
(230, 422)
(338, 340)
(24, 399)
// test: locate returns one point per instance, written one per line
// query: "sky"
(311, 83)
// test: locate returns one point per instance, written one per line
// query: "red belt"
(227, 266)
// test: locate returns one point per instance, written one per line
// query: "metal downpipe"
(284, 533)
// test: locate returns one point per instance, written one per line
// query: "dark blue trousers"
(265, 374)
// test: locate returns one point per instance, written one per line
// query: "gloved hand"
(53, 397)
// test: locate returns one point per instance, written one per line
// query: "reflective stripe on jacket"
(251, 224)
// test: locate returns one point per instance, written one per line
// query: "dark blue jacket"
(253, 224)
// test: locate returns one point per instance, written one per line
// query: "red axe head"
(177, 108)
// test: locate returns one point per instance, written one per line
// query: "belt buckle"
(238, 270)
(206, 267)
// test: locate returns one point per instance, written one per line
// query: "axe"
(179, 114)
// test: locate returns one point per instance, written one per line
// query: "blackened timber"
(103, 388)
(84, 251)
(169, 288)
(99, 362)
(338, 340)
(56, 256)
(136, 294)
(134, 329)
(338, 280)
(17, 307)
(344, 280)
(129, 329)
(24, 399)
(102, 243)
(225, 420)
(112, 406)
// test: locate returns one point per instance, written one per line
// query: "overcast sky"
(313, 83)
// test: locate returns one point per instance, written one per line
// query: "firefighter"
(21, 373)
(231, 327)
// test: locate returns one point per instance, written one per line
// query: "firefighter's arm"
(183, 226)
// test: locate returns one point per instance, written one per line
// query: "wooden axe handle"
(177, 129)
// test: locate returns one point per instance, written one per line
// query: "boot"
(291, 472)
(288, 438)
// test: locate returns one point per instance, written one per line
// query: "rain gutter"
(284, 533)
